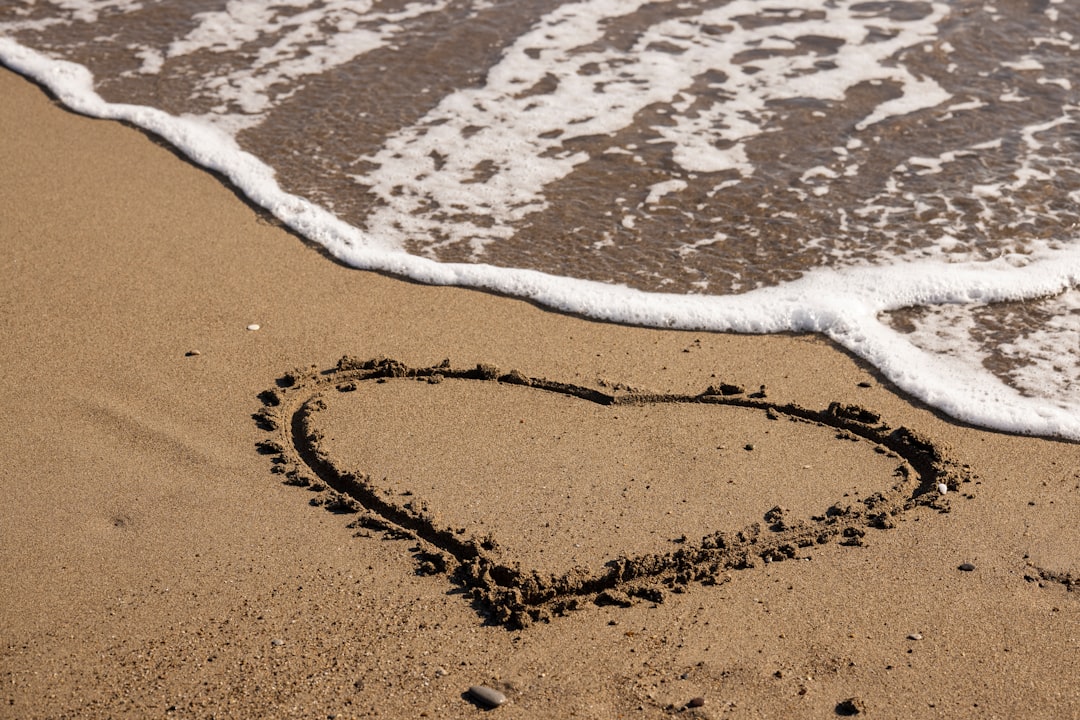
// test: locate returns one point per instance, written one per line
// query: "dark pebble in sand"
(967, 567)
(749, 446)
(851, 706)
(192, 353)
(486, 696)
(695, 702)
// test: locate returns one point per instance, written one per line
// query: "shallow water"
(902, 176)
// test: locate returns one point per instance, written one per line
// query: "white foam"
(300, 47)
(1024, 63)
(88, 11)
(1063, 83)
(666, 187)
(1050, 367)
(518, 136)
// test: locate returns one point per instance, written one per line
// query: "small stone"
(277, 642)
(851, 706)
(748, 446)
(192, 353)
(967, 567)
(943, 488)
(253, 326)
(914, 636)
(486, 696)
(695, 702)
(441, 672)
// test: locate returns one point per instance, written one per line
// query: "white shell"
(252, 326)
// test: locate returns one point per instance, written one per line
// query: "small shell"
(253, 326)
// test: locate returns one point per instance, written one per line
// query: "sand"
(156, 565)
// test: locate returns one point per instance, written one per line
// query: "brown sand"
(154, 565)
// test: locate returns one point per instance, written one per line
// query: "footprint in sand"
(538, 495)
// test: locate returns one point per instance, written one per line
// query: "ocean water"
(902, 176)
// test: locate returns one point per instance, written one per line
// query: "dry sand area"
(322, 518)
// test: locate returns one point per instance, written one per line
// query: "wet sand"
(160, 561)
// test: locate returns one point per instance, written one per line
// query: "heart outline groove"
(505, 594)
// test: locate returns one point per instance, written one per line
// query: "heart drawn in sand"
(538, 495)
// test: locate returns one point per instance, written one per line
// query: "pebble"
(914, 636)
(942, 488)
(277, 642)
(441, 672)
(967, 567)
(698, 701)
(851, 706)
(192, 353)
(253, 326)
(486, 696)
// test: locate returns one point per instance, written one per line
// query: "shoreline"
(845, 304)
(156, 566)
